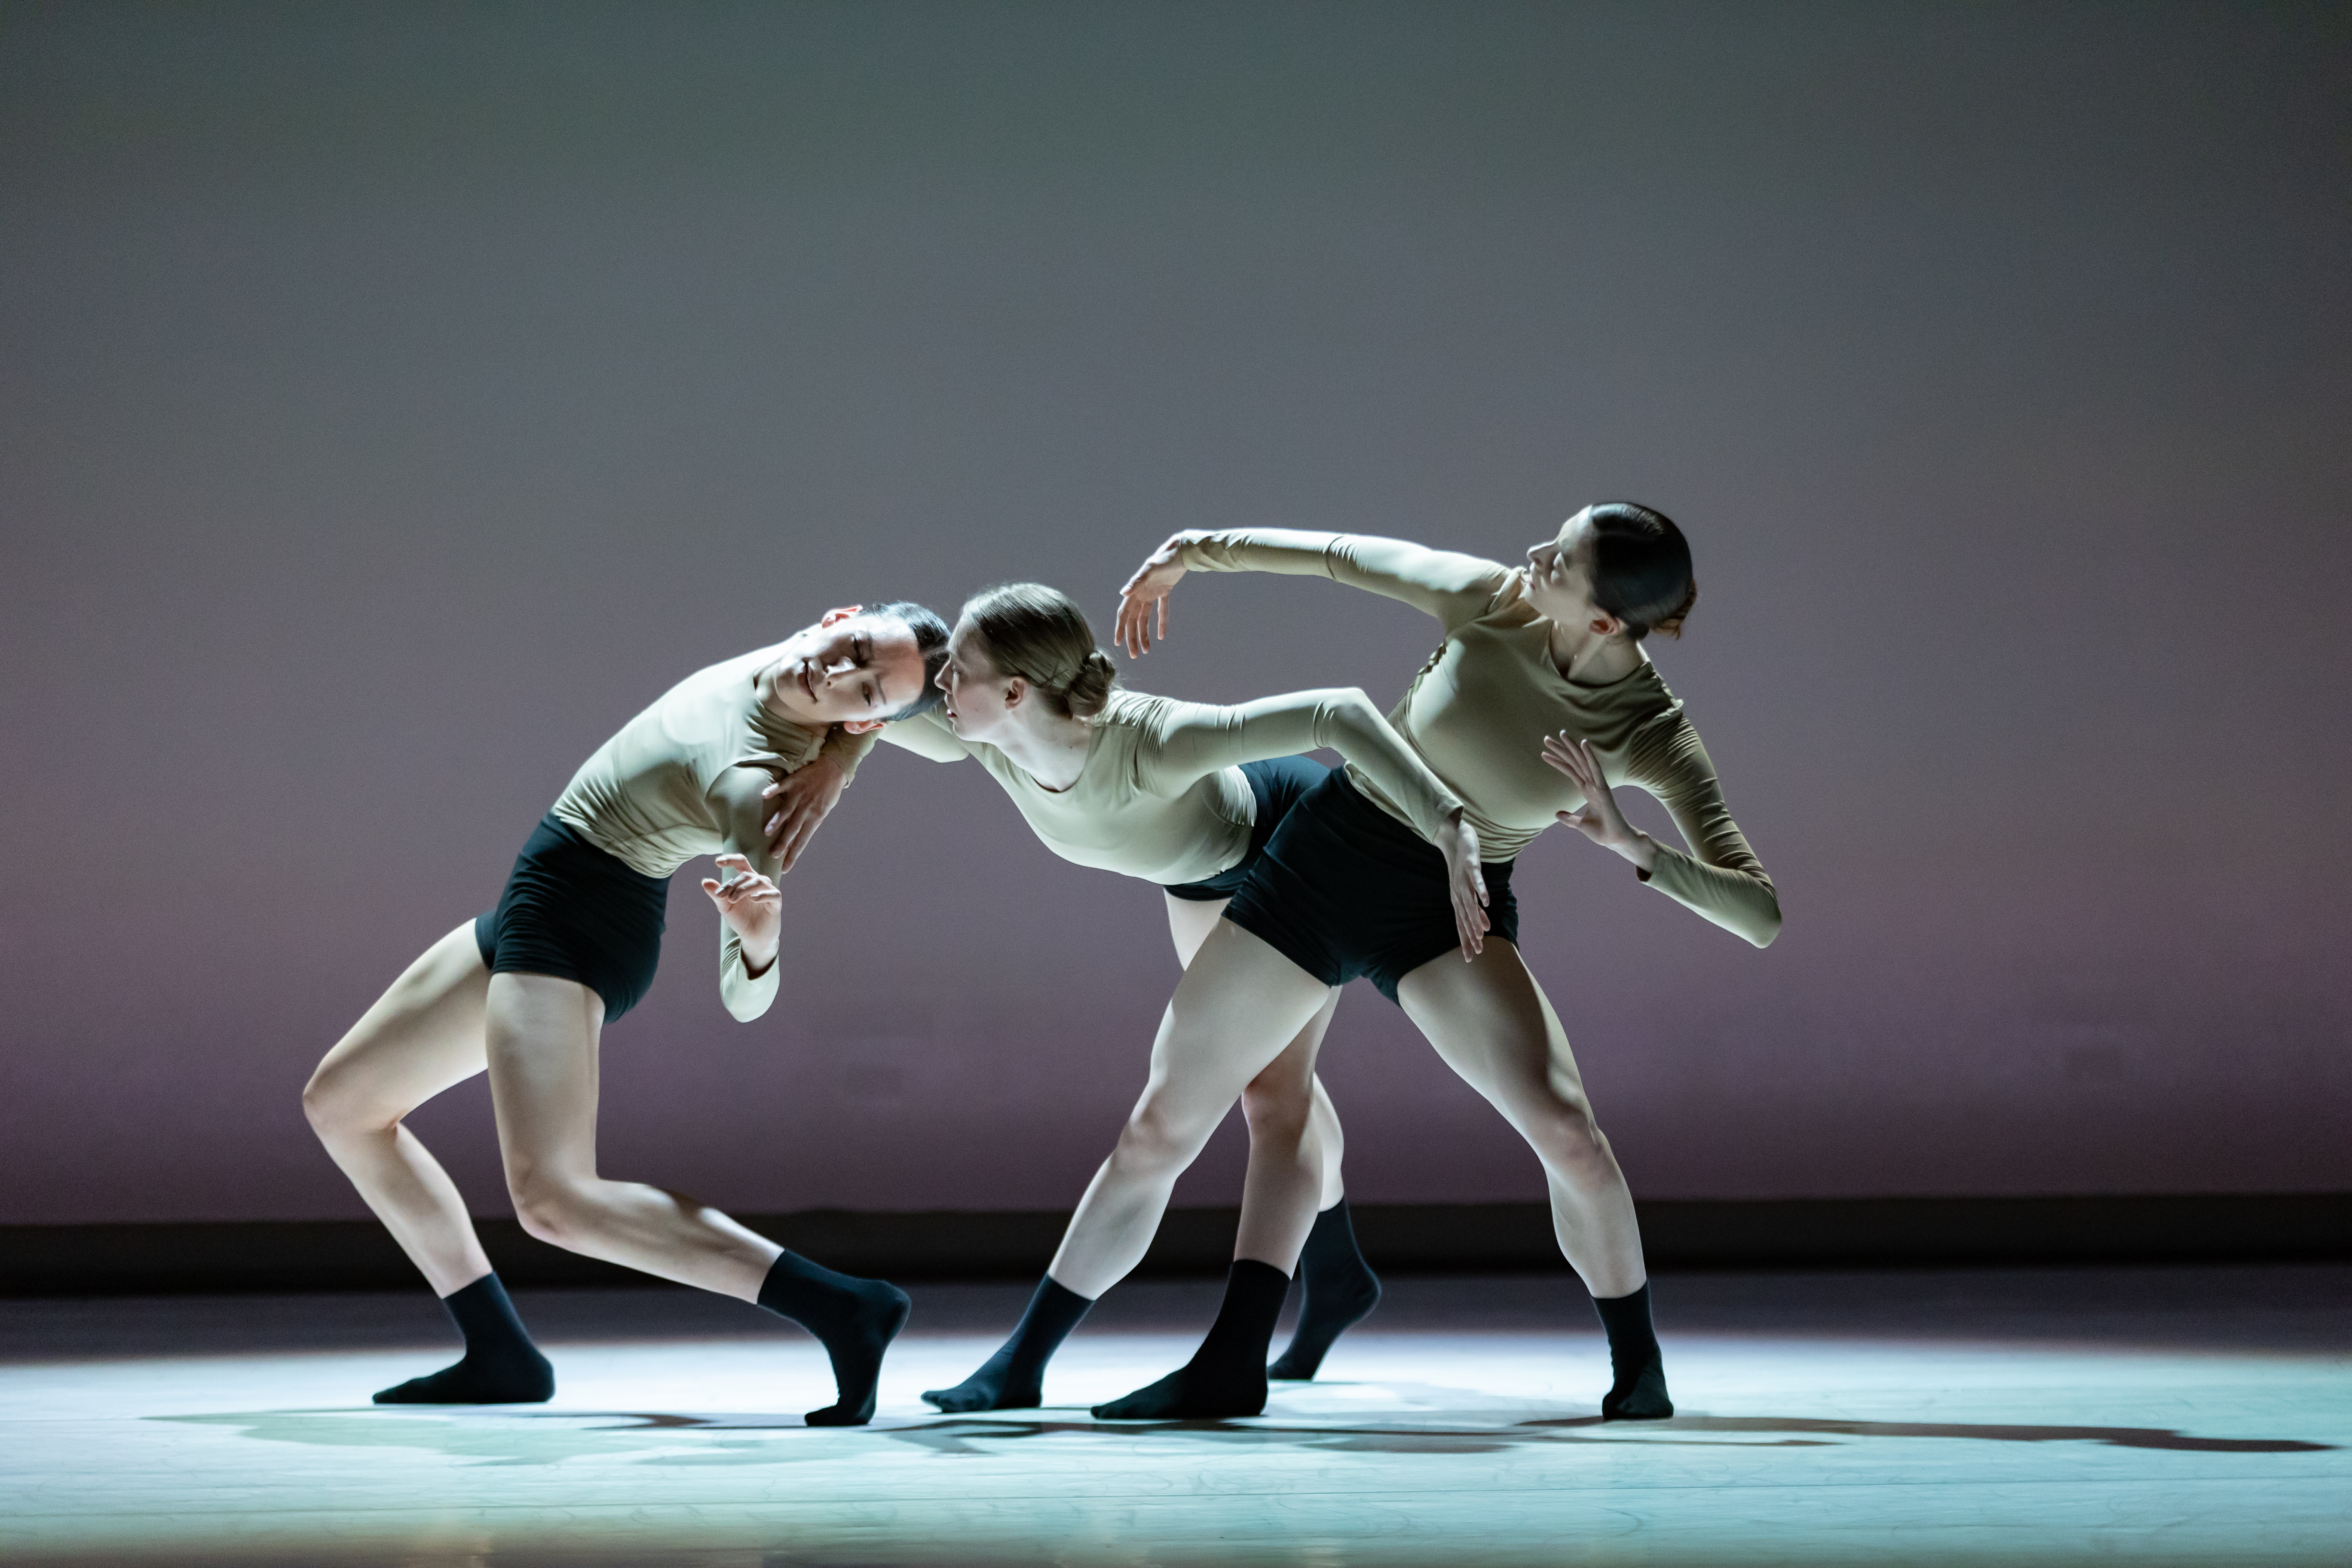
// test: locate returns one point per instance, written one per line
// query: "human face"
(850, 668)
(1559, 579)
(979, 701)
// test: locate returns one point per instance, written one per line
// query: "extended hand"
(803, 799)
(1150, 586)
(1598, 818)
(753, 905)
(1458, 842)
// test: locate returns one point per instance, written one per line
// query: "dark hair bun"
(1641, 568)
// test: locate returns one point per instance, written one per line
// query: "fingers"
(1135, 620)
(1469, 920)
(795, 839)
(1163, 617)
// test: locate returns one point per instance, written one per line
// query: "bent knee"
(1153, 1140)
(1276, 1108)
(1572, 1142)
(559, 1213)
(336, 1108)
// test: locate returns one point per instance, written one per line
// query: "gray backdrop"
(393, 401)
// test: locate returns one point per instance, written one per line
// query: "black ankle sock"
(1013, 1378)
(501, 1365)
(853, 1319)
(1637, 1390)
(1340, 1290)
(1226, 1376)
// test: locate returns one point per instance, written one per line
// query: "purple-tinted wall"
(393, 401)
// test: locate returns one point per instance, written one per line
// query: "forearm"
(1351, 726)
(1742, 902)
(927, 734)
(747, 980)
(846, 751)
(1451, 586)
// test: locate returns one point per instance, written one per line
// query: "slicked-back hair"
(931, 641)
(1642, 568)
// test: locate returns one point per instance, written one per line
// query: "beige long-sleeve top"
(1481, 705)
(683, 778)
(1161, 795)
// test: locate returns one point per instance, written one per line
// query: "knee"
(336, 1109)
(1573, 1145)
(1155, 1142)
(1277, 1110)
(555, 1212)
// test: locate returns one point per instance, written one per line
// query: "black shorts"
(577, 913)
(1279, 784)
(1345, 890)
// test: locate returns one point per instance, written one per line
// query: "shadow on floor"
(542, 1438)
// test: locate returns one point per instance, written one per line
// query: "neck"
(1584, 659)
(1049, 748)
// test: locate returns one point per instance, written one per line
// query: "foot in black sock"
(501, 1366)
(853, 1319)
(1226, 1376)
(1641, 1396)
(1339, 1291)
(1637, 1390)
(1014, 1377)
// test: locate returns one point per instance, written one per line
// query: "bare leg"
(1229, 1017)
(422, 1035)
(1292, 1121)
(1240, 1003)
(1494, 1026)
(542, 1044)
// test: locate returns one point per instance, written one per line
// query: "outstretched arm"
(1453, 587)
(1189, 741)
(1720, 878)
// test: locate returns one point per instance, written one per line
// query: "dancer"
(1185, 796)
(1539, 700)
(526, 989)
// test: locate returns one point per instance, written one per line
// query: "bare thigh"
(1493, 1025)
(422, 1035)
(543, 1034)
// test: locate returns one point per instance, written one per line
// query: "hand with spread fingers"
(801, 800)
(1598, 818)
(1149, 587)
(753, 905)
(1458, 842)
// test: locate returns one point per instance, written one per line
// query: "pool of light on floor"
(1419, 1448)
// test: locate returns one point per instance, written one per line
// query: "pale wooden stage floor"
(2148, 1415)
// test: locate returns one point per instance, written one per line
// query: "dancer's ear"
(1014, 691)
(863, 726)
(839, 614)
